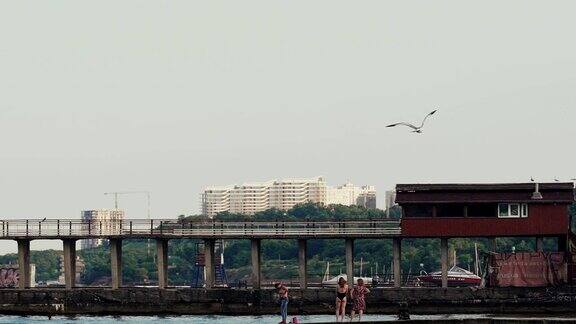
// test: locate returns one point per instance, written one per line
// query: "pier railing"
(142, 228)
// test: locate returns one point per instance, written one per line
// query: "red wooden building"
(485, 210)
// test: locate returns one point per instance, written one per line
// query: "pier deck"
(174, 229)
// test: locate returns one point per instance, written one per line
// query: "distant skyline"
(173, 96)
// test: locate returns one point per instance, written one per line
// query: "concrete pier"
(444, 261)
(302, 264)
(162, 261)
(397, 261)
(350, 261)
(69, 263)
(116, 262)
(234, 302)
(255, 246)
(209, 263)
(24, 264)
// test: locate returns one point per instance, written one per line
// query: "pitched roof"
(556, 192)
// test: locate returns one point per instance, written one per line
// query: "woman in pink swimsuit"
(358, 302)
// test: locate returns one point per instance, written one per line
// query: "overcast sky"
(173, 96)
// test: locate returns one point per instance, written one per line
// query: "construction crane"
(118, 193)
(147, 193)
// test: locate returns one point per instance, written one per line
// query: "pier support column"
(397, 261)
(162, 260)
(256, 258)
(562, 243)
(23, 264)
(444, 261)
(302, 264)
(539, 244)
(350, 261)
(493, 245)
(209, 263)
(69, 263)
(116, 262)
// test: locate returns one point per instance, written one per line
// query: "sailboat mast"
(476, 265)
(327, 272)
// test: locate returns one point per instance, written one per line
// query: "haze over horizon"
(174, 96)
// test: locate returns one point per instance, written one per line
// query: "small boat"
(457, 277)
(333, 282)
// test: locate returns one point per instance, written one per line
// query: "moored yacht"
(456, 277)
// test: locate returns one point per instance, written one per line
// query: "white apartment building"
(216, 200)
(285, 194)
(101, 221)
(349, 194)
(250, 198)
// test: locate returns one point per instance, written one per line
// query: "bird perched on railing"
(416, 129)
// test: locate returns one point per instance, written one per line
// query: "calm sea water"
(225, 319)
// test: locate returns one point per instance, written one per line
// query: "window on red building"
(450, 210)
(513, 210)
(417, 210)
(482, 210)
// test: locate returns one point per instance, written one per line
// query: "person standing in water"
(358, 303)
(341, 292)
(283, 295)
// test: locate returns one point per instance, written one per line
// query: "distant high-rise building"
(349, 194)
(390, 201)
(250, 198)
(216, 200)
(367, 197)
(390, 198)
(287, 193)
(101, 221)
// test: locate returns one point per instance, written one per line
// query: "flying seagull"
(416, 129)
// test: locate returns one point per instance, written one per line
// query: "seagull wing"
(430, 114)
(403, 124)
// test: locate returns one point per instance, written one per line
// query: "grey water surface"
(211, 319)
